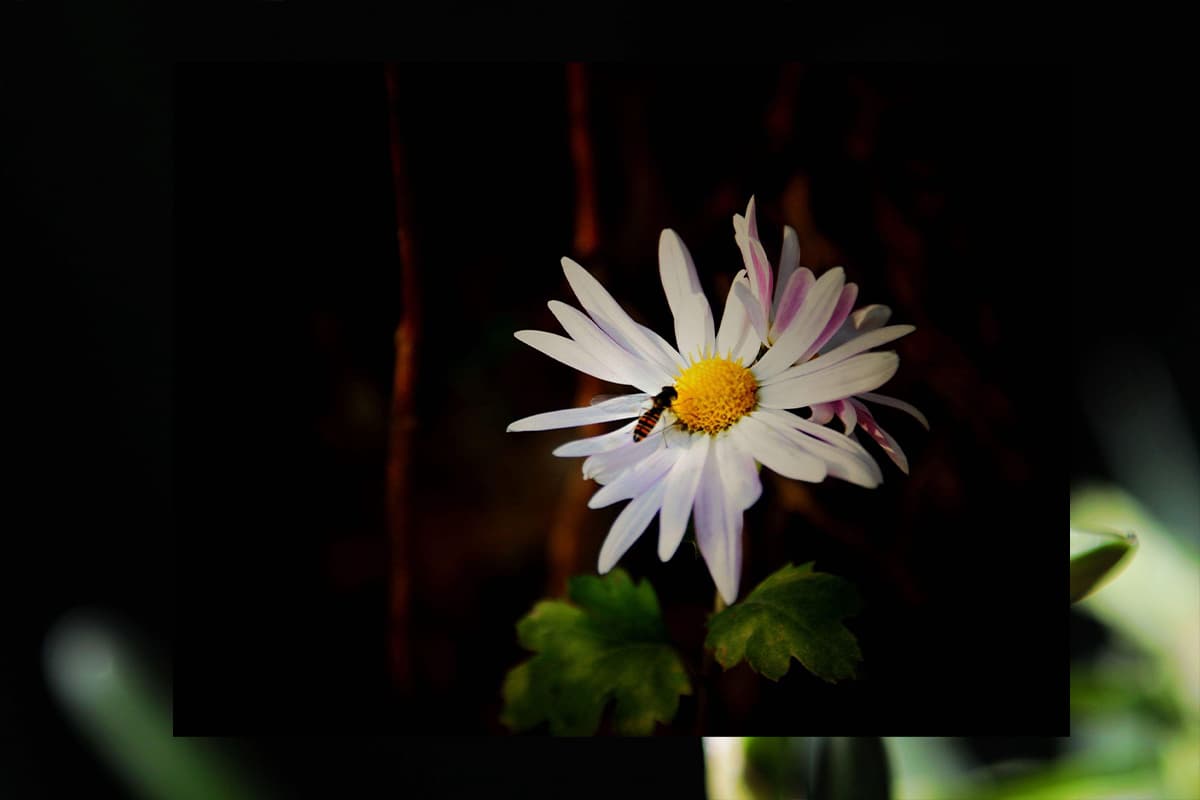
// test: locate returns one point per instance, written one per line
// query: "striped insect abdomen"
(646, 423)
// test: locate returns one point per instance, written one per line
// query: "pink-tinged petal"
(608, 466)
(752, 308)
(774, 452)
(618, 408)
(681, 485)
(634, 369)
(613, 320)
(865, 319)
(739, 473)
(757, 265)
(823, 412)
(629, 525)
(859, 344)
(637, 479)
(597, 444)
(885, 400)
(693, 317)
(737, 339)
(853, 465)
(847, 414)
(569, 352)
(751, 219)
(840, 313)
(791, 300)
(809, 323)
(858, 374)
(762, 272)
(789, 259)
(719, 532)
(889, 445)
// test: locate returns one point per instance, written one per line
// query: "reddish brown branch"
(402, 421)
(562, 545)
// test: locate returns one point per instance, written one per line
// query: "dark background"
(88, 205)
(943, 192)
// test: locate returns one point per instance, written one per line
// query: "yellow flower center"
(713, 394)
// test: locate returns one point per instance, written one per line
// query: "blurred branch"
(562, 545)
(402, 420)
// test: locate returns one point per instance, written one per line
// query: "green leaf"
(794, 613)
(611, 645)
(1096, 558)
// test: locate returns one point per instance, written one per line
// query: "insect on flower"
(727, 395)
(647, 421)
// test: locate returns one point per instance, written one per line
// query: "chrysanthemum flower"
(729, 410)
(846, 333)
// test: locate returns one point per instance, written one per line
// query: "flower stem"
(402, 420)
(562, 544)
(705, 680)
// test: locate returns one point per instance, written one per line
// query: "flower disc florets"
(713, 394)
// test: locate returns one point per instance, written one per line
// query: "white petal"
(868, 318)
(850, 463)
(791, 300)
(832, 437)
(618, 408)
(844, 352)
(569, 352)
(693, 317)
(681, 487)
(608, 466)
(776, 452)
(885, 400)
(637, 479)
(752, 308)
(739, 472)
(789, 259)
(737, 338)
(719, 532)
(629, 525)
(734, 321)
(809, 323)
(634, 369)
(848, 416)
(597, 444)
(666, 348)
(858, 374)
(840, 313)
(885, 440)
(611, 318)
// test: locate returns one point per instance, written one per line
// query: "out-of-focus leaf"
(611, 645)
(794, 613)
(1096, 558)
(777, 766)
(851, 768)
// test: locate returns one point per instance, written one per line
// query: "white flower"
(729, 411)
(845, 333)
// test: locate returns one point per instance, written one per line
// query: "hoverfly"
(647, 421)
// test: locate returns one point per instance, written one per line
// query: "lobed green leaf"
(794, 613)
(611, 646)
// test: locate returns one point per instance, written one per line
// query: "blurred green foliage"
(1096, 558)
(610, 645)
